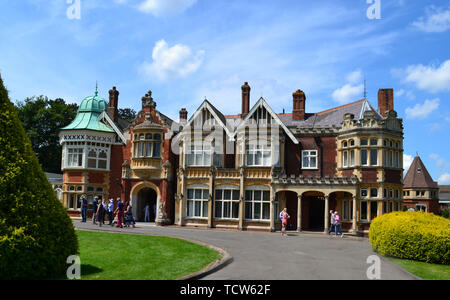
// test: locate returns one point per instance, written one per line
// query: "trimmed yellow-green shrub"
(36, 234)
(412, 235)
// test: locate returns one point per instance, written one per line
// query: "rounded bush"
(36, 234)
(412, 235)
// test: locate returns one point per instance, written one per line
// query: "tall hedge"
(36, 234)
(412, 235)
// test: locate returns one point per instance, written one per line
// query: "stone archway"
(313, 207)
(141, 194)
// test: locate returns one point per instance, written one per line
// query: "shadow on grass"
(86, 270)
(89, 270)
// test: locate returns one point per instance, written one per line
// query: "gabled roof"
(262, 103)
(104, 115)
(418, 176)
(218, 116)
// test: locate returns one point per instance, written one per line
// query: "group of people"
(335, 221)
(100, 208)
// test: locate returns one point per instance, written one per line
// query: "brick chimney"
(245, 100)
(183, 115)
(385, 101)
(113, 108)
(298, 112)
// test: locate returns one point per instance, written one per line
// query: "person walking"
(119, 212)
(94, 210)
(332, 226)
(84, 206)
(284, 216)
(129, 216)
(337, 224)
(110, 211)
(105, 207)
(101, 213)
(147, 212)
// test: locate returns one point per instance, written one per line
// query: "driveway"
(269, 256)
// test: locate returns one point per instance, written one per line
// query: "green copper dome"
(93, 104)
(88, 113)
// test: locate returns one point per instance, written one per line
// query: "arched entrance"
(313, 208)
(146, 200)
(292, 209)
(142, 194)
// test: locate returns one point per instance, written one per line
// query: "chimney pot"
(113, 107)
(299, 100)
(245, 100)
(385, 101)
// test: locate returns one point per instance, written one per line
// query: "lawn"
(112, 256)
(424, 270)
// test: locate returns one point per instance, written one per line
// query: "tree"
(42, 119)
(127, 114)
(36, 234)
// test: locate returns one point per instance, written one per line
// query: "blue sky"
(186, 50)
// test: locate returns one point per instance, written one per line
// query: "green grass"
(112, 256)
(424, 270)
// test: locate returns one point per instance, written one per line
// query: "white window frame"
(309, 154)
(232, 202)
(261, 150)
(199, 155)
(367, 157)
(254, 203)
(194, 200)
(71, 156)
(345, 159)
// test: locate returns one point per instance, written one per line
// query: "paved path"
(269, 256)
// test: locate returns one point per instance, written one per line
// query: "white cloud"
(351, 90)
(431, 78)
(172, 62)
(161, 8)
(354, 77)
(437, 20)
(407, 161)
(444, 179)
(346, 93)
(421, 111)
(399, 93)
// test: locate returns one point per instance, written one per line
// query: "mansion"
(239, 171)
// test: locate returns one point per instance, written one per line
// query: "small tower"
(420, 191)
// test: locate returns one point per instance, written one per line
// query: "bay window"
(147, 146)
(373, 157)
(197, 203)
(75, 157)
(257, 205)
(345, 159)
(364, 157)
(226, 204)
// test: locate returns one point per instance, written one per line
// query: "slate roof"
(329, 118)
(418, 176)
